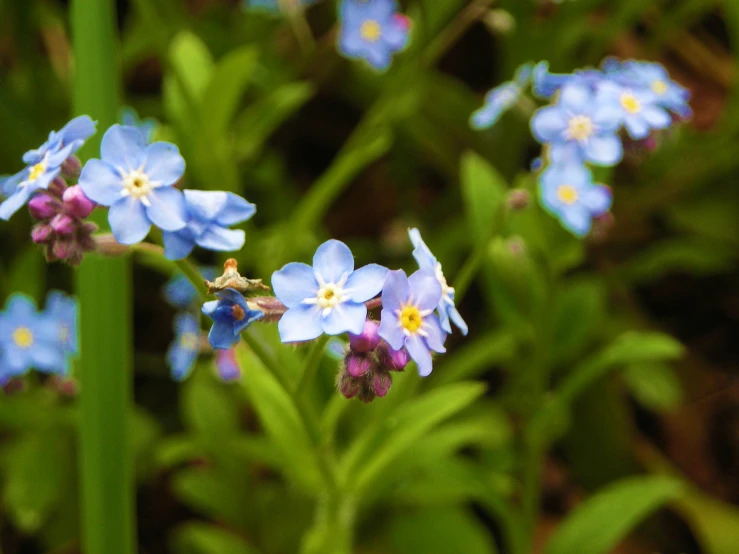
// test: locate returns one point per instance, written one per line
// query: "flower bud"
(57, 187)
(63, 224)
(61, 249)
(367, 341)
(41, 233)
(76, 203)
(71, 167)
(43, 206)
(381, 382)
(393, 360)
(518, 199)
(357, 364)
(349, 386)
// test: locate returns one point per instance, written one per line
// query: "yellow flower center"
(567, 194)
(630, 103)
(189, 341)
(580, 127)
(136, 184)
(330, 295)
(370, 30)
(660, 87)
(37, 171)
(411, 319)
(23, 337)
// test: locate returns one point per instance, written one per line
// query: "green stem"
(104, 288)
(312, 362)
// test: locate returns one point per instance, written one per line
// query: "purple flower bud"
(71, 167)
(518, 199)
(41, 233)
(61, 249)
(76, 203)
(394, 360)
(381, 382)
(57, 187)
(349, 386)
(367, 341)
(43, 206)
(357, 364)
(63, 224)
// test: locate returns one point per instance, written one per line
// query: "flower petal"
(421, 355)
(236, 210)
(167, 208)
(575, 97)
(597, 199)
(390, 329)
(577, 219)
(100, 182)
(205, 204)
(606, 150)
(128, 221)
(178, 244)
(300, 323)
(332, 260)
(15, 202)
(123, 147)
(421, 252)
(458, 321)
(80, 128)
(222, 336)
(425, 289)
(436, 335)
(548, 124)
(294, 283)
(395, 291)
(347, 317)
(366, 282)
(163, 163)
(220, 239)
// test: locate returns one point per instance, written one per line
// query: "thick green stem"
(104, 288)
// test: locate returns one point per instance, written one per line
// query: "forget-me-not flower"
(43, 164)
(328, 297)
(136, 180)
(230, 315)
(654, 77)
(209, 214)
(408, 318)
(64, 309)
(185, 348)
(372, 30)
(567, 191)
(501, 99)
(428, 262)
(28, 339)
(179, 291)
(638, 108)
(227, 365)
(579, 128)
(130, 118)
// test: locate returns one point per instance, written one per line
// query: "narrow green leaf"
(476, 356)
(203, 538)
(192, 62)
(602, 521)
(655, 385)
(484, 191)
(579, 310)
(715, 523)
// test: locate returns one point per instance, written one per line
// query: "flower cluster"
(583, 126)
(45, 341)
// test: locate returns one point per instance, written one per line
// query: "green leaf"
(211, 493)
(208, 409)
(476, 356)
(655, 385)
(203, 538)
(715, 523)
(484, 191)
(27, 274)
(579, 310)
(602, 521)
(192, 62)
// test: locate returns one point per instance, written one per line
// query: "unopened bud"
(63, 224)
(57, 187)
(357, 364)
(61, 249)
(500, 21)
(381, 382)
(76, 203)
(349, 386)
(71, 167)
(43, 206)
(367, 341)
(394, 360)
(41, 233)
(518, 199)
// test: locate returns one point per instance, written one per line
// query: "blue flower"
(231, 315)
(638, 108)
(28, 339)
(185, 348)
(136, 181)
(328, 297)
(43, 164)
(567, 192)
(501, 99)
(408, 318)
(209, 214)
(64, 311)
(130, 118)
(548, 84)
(179, 291)
(654, 77)
(372, 30)
(428, 262)
(227, 366)
(580, 128)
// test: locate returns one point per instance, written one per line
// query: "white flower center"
(446, 290)
(580, 127)
(136, 183)
(329, 295)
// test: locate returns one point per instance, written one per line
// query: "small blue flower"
(179, 291)
(548, 84)
(64, 311)
(136, 181)
(328, 297)
(231, 315)
(501, 99)
(227, 365)
(638, 108)
(654, 77)
(43, 164)
(428, 262)
(580, 128)
(408, 318)
(567, 192)
(130, 118)
(28, 339)
(185, 348)
(372, 30)
(209, 214)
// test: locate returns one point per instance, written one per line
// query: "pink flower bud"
(57, 187)
(367, 341)
(63, 224)
(349, 387)
(393, 360)
(76, 203)
(357, 364)
(41, 233)
(61, 249)
(71, 167)
(381, 382)
(43, 206)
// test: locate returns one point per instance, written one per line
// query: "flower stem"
(312, 363)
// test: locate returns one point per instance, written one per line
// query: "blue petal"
(205, 205)
(178, 244)
(457, 320)
(548, 124)
(657, 117)
(390, 329)
(209, 308)
(366, 282)
(233, 296)
(227, 365)
(395, 35)
(574, 97)
(396, 291)
(637, 127)
(294, 283)
(425, 289)
(100, 182)
(346, 317)
(167, 208)
(220, 239)
(163, 163)
(436, 335)
(300, 323)
(222, 335)
(597, 199)
(421, 355)
(422, 254)
(332, 260)
(20, 307)
(123, 147)
(128, 221)
(251, 317)
(604, 150)
(185, 322)
(577, 219)
(235, 210)
(443, 311)
(15, 202)
(49, 358)
(80, 128)
(379, 57)
(9, 184)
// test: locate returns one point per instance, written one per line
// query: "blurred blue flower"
(638, 108)
(428, 262)
(227, 365)
(43, 164)
(28, 339)
(328, 297)
(372, 30)
(567, 192)
(185, 348)
(209, 214)
(408, 318)
(580, 128)
(179, 291)
(136, 181)
(231, 315)
(63, 310)
(501, 98)
(130, 118)
(654, 77)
